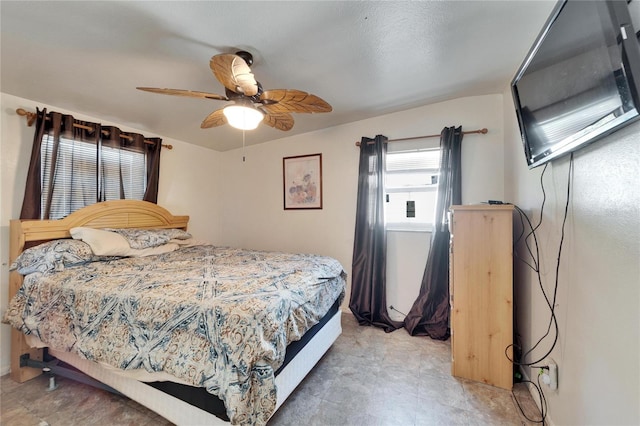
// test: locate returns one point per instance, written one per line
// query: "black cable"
(394, 309)
(543, 400)
(536, 259)
(533, 229)
(553, 318)
(515, 244)
(543, 406)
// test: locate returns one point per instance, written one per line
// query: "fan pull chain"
(243, 158)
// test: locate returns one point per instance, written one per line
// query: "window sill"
(400, 228)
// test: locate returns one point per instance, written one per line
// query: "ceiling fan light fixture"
(243, 117)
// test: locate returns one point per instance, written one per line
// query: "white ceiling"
(364, 58)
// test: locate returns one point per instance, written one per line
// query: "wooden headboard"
(108, 214)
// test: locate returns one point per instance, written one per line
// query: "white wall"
(598, 304)
(407, 254)
(599, 288)
(254, 215)
(242, 202)
(185, 172)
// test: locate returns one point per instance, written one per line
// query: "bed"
(181, 329)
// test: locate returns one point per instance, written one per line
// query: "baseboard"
(4, 370)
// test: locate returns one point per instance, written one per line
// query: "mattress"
(216, 318)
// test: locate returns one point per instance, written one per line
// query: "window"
(125, 167)
(411, 188)
(85, 174)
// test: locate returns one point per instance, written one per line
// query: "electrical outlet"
(550, 374)
(553, 374)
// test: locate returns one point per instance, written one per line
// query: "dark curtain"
(70, 156)
(368, 275)
(53, 166)
(31, 204)
(152, 151)
(429, 315)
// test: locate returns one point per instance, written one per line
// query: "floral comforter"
(217, 318)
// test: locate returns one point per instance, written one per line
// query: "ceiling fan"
(251, 104)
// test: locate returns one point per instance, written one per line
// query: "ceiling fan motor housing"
(246, 56)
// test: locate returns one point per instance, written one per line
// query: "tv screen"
(580, 80)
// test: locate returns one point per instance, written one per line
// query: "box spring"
(202, 399)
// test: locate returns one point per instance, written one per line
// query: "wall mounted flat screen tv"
(580, 80)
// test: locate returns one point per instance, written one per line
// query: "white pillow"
(107, 243)
(103, 243)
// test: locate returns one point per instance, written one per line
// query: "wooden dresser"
(481, 289)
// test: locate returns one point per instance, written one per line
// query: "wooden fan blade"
(215, 119)
(279, 120)
(234, 73)
(288, 100)
(188, 93)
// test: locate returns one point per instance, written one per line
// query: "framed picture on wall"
(302, 182)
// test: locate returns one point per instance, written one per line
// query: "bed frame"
(110, 214)
(135, 214)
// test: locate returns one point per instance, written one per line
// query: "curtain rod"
(483, 131)
(31, 118)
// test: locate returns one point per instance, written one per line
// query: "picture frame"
(302, 182)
